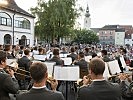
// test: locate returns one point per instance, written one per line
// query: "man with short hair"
(83, 65)
(99, 89)
(105, 57)
(25, 62)
(8, 83)
(56, 57)
(39, 91)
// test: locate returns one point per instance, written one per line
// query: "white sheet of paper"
(39, 57)
(70, 73)
(67, 61)
(123, 62)
(63, 55)
(50, 66)
(88, 58)
(106, 73)
(9, 61)
(114, 67)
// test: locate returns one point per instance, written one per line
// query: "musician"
(127, 91)
(83, 65)
(87, 51)
(8, 83)
(9, 52)
(1, 47)
(25, 62)
(21, 51)
(35, 50)
(56, 57)
(99, 89)
(73, 55)
(64, 51)
(39, 91)
(105, 56)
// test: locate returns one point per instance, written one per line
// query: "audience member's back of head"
(97, 66)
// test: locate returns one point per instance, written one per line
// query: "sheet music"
(88, 58)
(9, 61)
(70, 73)
(63, 55)
(39, 57)
(114, 67)
(123, 62)
(67, 61)
(106, 73)
(50, 66)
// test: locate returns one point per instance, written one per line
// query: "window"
(111, 32)
(3, 21)
(9, 22)
(111, 37)
(22, 24)
(16, 23)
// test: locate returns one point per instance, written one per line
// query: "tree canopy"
(86, 36)
(55, 18)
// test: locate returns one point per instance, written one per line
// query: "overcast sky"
(103, 12)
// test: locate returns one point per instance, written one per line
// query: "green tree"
(86, 36)
(55, 18)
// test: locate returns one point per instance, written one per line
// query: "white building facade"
(16, 25)
(120, 37)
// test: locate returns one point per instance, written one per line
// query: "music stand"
(66, 73)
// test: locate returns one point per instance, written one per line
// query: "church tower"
(87, 19)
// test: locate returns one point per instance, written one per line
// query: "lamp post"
(13, 27)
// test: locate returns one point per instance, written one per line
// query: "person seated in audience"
(83, 65)
(39, 91)
(56, 57)
(99, 88)
(8, 83)
(73, 55)
(9, 52)
(105, 57)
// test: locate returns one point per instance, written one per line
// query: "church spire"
(87, 12)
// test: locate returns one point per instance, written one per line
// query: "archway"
(7, 39)
(23, 40)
